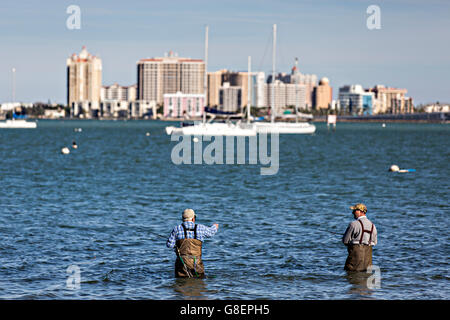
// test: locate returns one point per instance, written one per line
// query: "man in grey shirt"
(360, 237)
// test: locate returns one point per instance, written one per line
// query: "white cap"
(188, 215)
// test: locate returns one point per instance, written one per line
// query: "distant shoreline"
(435, 117)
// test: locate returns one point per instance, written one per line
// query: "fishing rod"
(329, 231)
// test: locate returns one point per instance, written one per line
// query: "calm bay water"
(103, 207)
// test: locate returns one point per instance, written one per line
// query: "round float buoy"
(65, 150)
(384, 125)
(394, 168)
(195, 139)
(147, 134)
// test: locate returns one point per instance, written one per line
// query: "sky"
(330, 38)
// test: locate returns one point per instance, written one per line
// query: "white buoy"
(195, 139)
(147, 134)
(65, 150)
(384, 125)
(394, 168)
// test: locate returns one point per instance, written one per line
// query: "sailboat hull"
(229, 129)
(285, 127)
(17, 124)
(214, 129)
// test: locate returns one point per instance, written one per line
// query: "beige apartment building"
(214, 84)
(169, 74)
(323, 94)
(391, 100)
(84, 81)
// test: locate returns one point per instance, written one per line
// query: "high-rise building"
(238, 79)
(353, 99)
(84, 82)
(258, 89)
(231, 98)
(169, 74)
(214, 84)
(391, 100)
(296, 77)
(217, 79)
(285, 95)
(322, 95)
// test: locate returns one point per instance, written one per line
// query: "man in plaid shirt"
(187, 238)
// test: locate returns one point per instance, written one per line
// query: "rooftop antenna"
(13, 84)
(297, 87)
(272, 109)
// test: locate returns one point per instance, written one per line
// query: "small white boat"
(18, 124)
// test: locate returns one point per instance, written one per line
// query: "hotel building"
(84, 82)
(169, 75)
(391, 100)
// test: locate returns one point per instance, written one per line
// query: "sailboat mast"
(297, 88)
(13, 85)
(272, 107)
(249, 89)
(205, 81)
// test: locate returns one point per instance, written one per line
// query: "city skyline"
(330, 40)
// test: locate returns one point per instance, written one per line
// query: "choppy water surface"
(103, 206)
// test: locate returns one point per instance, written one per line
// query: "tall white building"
(84, 82)
(258, 89)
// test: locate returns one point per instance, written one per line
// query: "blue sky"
(330, 38)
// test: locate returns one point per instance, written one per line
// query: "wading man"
(187, 238)
(360, 237)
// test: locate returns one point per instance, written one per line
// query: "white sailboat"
(16, 123)
(211, 128)
(282, 127)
